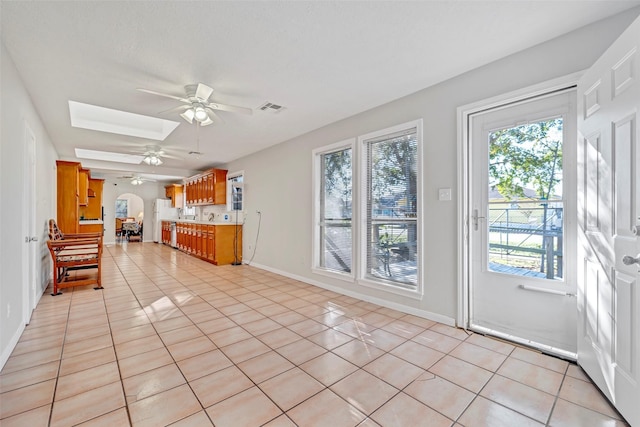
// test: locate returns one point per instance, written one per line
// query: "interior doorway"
(129, 218)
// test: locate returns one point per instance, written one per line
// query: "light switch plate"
(444, 194)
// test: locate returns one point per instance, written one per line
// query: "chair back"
(54, 231)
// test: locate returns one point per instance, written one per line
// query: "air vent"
(270, 107)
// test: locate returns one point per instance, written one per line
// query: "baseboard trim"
(450, 321)
(11, 345)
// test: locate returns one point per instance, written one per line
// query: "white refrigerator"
(162, 210)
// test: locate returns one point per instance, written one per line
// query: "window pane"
(122, 208)
(525, 200)
(335, 211)
(392, 200)
(237, 193)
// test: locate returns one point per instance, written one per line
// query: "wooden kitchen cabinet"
(213, 243)
(198, 239)
(90, 228)
(176, 194)
(93, 207)
(83, 187)
(207, 188)
(78, 197)
(166, 233)
(211, 236)
(67, 196)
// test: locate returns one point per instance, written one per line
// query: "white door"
(30, 272)
(609, 223)
(522, 222)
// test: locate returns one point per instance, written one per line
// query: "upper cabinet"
(68, 185)
(176, 194)
(207, 188)
(93, 210)
(78, 196)
(83, 187)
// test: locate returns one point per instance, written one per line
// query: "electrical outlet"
(8, 310)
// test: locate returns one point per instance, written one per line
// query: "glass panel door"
(525, 200)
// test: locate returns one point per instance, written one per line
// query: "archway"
(129, 214)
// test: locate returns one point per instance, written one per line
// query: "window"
(122, 208)
(334, 238)
(376, 185)
(390, 207)
(235, 188)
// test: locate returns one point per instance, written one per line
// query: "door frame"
(464, 114)
(29, 271)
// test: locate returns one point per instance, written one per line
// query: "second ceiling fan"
(198, 107)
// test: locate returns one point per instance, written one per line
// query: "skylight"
(102, 119)
(107, 156)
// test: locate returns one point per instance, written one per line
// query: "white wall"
(17, 109)
(278, 180)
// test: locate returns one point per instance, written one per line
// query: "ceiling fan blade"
(203, 91)
(165, 95)
(213, 117)
(174, 109)
(230, 108)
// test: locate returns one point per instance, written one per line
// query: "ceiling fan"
(137, 179)
(154, 154)
(198, 106)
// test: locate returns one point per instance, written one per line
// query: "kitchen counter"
(193, 221)
(90, 221)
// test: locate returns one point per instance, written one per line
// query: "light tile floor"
(172, 340)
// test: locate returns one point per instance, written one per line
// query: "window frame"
(316, 215)
(363, 278)
(230, 181)
(126, 200)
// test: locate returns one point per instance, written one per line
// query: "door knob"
(629, 260)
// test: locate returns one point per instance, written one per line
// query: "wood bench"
(73, 253)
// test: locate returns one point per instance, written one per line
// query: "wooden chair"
(118, 227)
(72, 252)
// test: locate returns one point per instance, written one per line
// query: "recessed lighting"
(108, 156)
(102, 119)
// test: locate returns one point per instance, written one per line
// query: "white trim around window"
(410, 290)
(317, 217)
(230, 179)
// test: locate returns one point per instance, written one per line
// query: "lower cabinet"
(218, 244)
(166, 232)
(90, 228)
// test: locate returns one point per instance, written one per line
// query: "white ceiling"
(322, 60)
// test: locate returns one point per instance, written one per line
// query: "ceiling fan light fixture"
(188, 115)
(200, 114)
(136, 180)
(152, 160)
